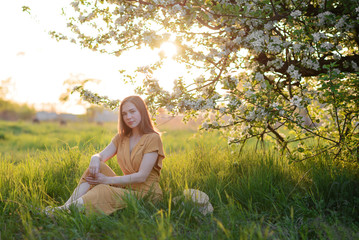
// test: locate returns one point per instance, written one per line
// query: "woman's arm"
(147, 164)
(103, 156)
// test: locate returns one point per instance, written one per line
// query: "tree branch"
(201, 21)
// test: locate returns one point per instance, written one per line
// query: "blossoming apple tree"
(285, 70)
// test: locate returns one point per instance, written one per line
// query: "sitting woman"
(139, 152)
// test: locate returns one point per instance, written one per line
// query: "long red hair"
(145, 126)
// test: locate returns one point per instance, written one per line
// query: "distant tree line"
(12, 111)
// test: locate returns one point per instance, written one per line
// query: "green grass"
(255, 195)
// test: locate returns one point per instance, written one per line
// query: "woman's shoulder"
(116, 139)
(153, 143)
(153, 136)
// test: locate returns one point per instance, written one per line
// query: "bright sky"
(38, 65)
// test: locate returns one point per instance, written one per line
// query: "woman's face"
(130, 114)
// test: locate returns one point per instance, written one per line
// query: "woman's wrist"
(96, 157)
(109, 180)
(113, 180)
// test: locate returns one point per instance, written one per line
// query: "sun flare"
(168, 49)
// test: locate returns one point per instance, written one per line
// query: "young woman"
(139, 152)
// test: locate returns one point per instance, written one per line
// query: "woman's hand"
(94, 166)
(98, 178)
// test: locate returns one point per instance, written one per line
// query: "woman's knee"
(103, 165)
(101, 189)
(106, 170)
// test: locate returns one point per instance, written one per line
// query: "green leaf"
(26, 9)
(300, 149)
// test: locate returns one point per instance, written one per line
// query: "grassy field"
(255, 195)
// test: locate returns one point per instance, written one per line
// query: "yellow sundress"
(109, 198)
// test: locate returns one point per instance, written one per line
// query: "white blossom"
(237, 40)
(230, 121)
(233, 103)
(327, 46)
(355, 66)
(241, 33)
(316, 37)
(75, 5)
(247, 85)
(293, 72)
(82, 18)
(310, 49)
(336, 56)
(143, 69)
(242, 108)
(76, 29)
(90, 16)
(249, 93)
(257, 39)
(296, 47)
(122, 9)
(269, 26)
(177, 92)
(121, 20)
(210, 104)
(205, 125)
(323, 17)
(309, 63)
(251, 116)
(296, 13)
(259, 76)
(341, 22)
(169, 108)
(176, 8)
(148, 38)
(296, 101)
(230, 140)
(199, 80)
(277, 63)
(274, 105)
(245, 128)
